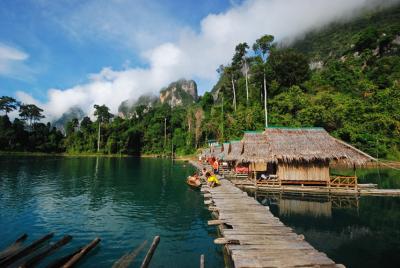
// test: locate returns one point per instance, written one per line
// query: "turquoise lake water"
(124, 201)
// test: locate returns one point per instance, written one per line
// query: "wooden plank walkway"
(253, 236)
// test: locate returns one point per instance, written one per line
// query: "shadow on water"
(355, 231)
(122, 200)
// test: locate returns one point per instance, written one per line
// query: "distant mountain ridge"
(179, 93)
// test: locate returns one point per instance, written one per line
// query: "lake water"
(354, 231)
(124, 201)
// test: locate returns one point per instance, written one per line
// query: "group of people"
(211, 177)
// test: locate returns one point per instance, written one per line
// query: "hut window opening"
(271, 168)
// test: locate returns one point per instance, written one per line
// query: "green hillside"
(344, 78)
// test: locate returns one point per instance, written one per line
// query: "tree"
(262, 48)
(289, 66)
(8, 104)
(30, 112)
(103, 115)
(239, 61)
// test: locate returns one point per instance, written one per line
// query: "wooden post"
(150, 253)
(202, 261)
(128, 258)
(48, 251)
(13, 247)
(24, 252)
(82, 253)
(61, 261)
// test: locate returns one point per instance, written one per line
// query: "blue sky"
(60, 54)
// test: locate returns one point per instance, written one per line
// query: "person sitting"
(212, 180)
(194, 179)
(215, 166)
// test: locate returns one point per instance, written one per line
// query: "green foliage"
(354, 94)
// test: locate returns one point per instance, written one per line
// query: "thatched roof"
(298, 145)
(235, 150)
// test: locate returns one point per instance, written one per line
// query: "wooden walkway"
(253, 237)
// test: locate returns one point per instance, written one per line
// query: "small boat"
(192, 184)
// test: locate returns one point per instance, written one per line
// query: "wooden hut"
(300, 155)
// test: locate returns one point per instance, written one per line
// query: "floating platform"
(253, 236)
(362, 189)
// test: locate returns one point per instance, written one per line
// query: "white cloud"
(198, 54)
(12, 62)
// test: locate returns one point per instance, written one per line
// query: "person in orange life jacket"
(215, 166)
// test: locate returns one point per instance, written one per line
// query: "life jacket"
(215, 165)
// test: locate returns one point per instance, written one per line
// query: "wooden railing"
(343, 181)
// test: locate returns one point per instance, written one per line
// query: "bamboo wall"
(314, 171)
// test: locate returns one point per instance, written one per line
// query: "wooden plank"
(128, 258)
(76, 258)
(13, 247)
(32, 262)
(202, 261)
(150, 253)
(25, 251)
(253, 236)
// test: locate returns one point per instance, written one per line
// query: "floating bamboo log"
(25, 251)
(128, 258)
(48, 251)
(63, 260)
(13, 247)
(81, 253)
(150, 253)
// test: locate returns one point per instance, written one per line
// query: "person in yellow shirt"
(212, 180)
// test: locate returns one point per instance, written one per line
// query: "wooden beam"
(202, 261)
(128, 258)
(150, 253)
(25, 251)
(81, 253)
(11, 249)
(48, 251)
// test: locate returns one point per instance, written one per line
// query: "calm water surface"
(124, 201)
(354, 231)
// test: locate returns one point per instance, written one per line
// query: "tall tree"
(262, 48)
(8, 104)
(30, 112)
(103, 114)
(239, 61)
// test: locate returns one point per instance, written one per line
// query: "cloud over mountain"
(195, 53)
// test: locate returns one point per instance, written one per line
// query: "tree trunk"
(265, 102)
(98, 138)
(234, 94)
(247, 84)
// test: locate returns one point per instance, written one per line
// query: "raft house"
(293, 156)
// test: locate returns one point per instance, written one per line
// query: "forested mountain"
(344, 78)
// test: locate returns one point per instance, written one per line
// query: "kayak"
(192, 184)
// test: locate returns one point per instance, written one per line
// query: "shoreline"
(180, 157)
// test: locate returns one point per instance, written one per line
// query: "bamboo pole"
(82, 253)
(150, 253)
(13, 247)
(61, 261)
(25, 251)
(202, 261)
(39, 257)
(128, 258)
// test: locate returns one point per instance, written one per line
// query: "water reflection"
(122, 200)
(288, 204)
(352, 230)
